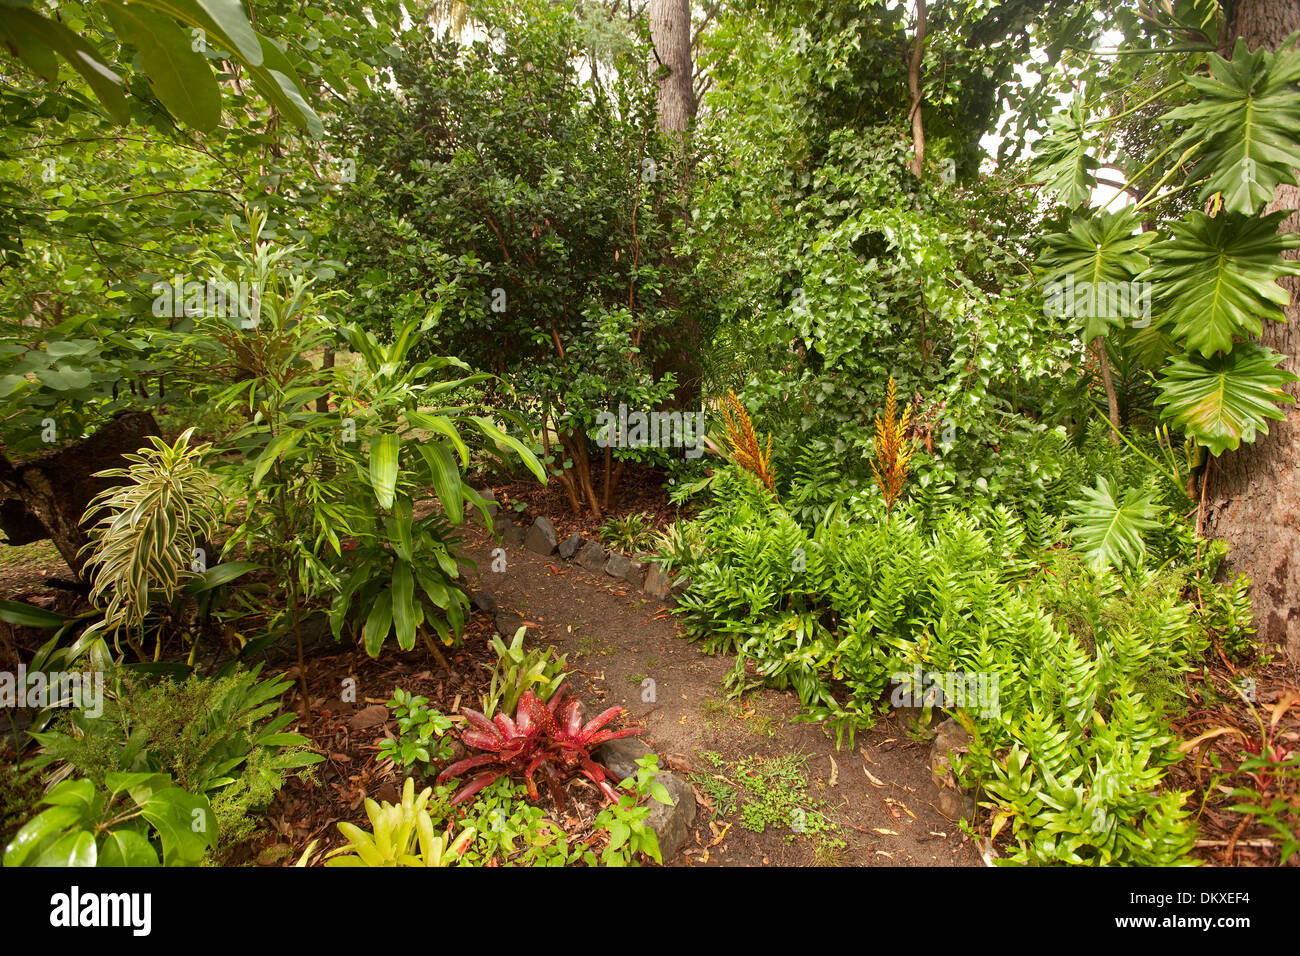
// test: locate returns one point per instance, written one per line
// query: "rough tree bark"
(46, 497)
(670, 32)
(1253, 494)
(914, 87)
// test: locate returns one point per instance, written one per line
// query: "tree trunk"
(1254, 492)
(670, 31)
(46, 497)
(914, 87)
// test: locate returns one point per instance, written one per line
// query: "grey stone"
(512, 536)
(656, 583)
(484, 601)
(541, 537)
(618, 565)
(635, 573)
(672, 823)
(570, 545)
(592, 556)
(953, 802)
(507, 622)
(619, 757)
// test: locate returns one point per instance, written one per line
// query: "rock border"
(636, 571)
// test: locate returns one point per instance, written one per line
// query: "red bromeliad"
(543, 735)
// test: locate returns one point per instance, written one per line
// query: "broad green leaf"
(185, 823)
(277, 446)
(180, 76)
(36, 29)
(439, 423)
(225, 19)
(276, 80)
(399, 527)
(404, 604)
(1224, 400)
(24, 615)
(446, 478)
(1217, 278)
(384, 453)
(378, 623)
(217, 575)
(125, 847)
(41, 831)
(1064, 160)
(79, 794)
(1085, 268)
(72, 849)
(1108, 529)
(518, 447)
(1247, 114)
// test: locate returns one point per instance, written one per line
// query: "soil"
(615, 638)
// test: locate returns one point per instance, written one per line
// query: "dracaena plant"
(544, 735)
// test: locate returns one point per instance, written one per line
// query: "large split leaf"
(1095, 255)
(1064, 160)
(1108, 526)
(1224, 400)
(1216, 279)
(1248, 114)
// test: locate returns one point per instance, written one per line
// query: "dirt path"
(617, 640)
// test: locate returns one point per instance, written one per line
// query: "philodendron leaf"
(1086, 267)
(1064, 160)
(185, 824)
(1247, 114)
(1216, 279)
(1108, 527)
(1224, 400)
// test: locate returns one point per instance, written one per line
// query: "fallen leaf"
(835, 773)
(875, 781)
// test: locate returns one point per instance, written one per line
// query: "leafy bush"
(631, 533)
(130, 819)
(420, 731)
(215, 737)
(1086, 662)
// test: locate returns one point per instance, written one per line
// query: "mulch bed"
(1226, 838)
(349, 733)
(641, 490)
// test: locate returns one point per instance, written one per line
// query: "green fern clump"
(215, 736)
(1089, 657)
